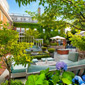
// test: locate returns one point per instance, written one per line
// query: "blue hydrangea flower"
(61, 65)
(78, 79)
(83, 84)
(83, 77)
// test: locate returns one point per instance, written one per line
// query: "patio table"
(46, 63)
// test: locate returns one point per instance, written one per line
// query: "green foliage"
(13, 82)
(7, 38)
(19, 53)
(54, 25)
(9, 44)
(45, 45)
(51, 50)
(61, 9)
(67, 77)
(53, 44)
(32, 33)
(51, 78)
(73, 31)
(78, 41)
(37, 80)
(44, 48)
(26, 25)
(41, 56)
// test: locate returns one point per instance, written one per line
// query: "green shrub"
(41, 53)
(41, 56)
(58, 77)
(44, 48)
(45, 45)
(51, 50)
(13, 82)
(53, 44)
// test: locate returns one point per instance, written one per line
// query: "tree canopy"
(9, 45)
(66, 9)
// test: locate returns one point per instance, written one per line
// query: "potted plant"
(51, 52)
(44, 49)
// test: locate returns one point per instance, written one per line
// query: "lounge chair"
(18, 71)
(35, 60)
(72, 57)
(35, 69)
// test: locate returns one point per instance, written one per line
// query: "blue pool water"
(34, 48)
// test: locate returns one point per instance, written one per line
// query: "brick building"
(4, 9)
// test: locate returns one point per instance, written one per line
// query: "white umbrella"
(57, 37)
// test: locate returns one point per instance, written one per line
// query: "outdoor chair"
(72, 57)
(18, 71)
(35, 60)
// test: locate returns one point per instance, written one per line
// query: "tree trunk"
(9, 79)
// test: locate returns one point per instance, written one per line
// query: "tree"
(66, 9)
(77, 40)
(9, 44)
(31, 34)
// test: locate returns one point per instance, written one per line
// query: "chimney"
(39, 9)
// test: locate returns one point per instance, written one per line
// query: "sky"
(14, 8)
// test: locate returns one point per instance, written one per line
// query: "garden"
(37, 57)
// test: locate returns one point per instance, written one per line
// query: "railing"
(25, 21)
(17, 14)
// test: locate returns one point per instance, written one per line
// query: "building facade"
(21, 19)
(4, 9)
(22, 22)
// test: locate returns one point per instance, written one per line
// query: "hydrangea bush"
(59, 77)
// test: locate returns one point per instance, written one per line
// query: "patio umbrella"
(57, 37)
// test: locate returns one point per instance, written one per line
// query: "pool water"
(34, 48)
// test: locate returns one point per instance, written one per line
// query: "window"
(43, 30)
(19, 18)
(24, 19)
(27, 19)
(18, 29)
(27, 28)
(22, 29)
